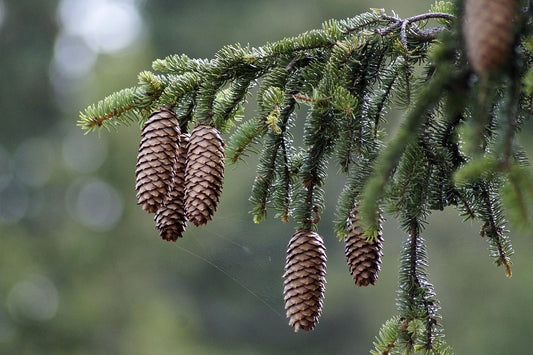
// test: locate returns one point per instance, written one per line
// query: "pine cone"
(157, 154)
(488, 28)
(305, 279)
(170, 218)
(364, 258)
(204, 174)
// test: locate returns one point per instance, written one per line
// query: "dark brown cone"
(170, 218)
(157, 155)
(488, 28)
(363, 257)
(204, 174)
(304, 279)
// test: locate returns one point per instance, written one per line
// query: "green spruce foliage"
(455, 146)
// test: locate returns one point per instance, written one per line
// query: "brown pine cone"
(157, 155)
(364, 258)
(204, 174)
(170, 218)
(304, 279)
(488, 29)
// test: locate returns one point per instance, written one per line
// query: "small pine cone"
(204, 174)
(170, 218)
(304, 279)
(157, 155)
(488, 28)
(364, 258)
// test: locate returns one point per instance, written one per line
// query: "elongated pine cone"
(157, 154)
(488, 28)
(364, 258)
(170, 218)
(304, 279)
(204, 174)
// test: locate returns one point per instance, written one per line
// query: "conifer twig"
(404, 24)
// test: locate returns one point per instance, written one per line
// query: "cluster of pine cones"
(179, 176)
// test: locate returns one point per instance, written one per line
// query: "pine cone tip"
(170, 235)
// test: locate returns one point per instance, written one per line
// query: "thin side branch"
(426, 35)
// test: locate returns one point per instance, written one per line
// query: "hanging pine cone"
(364, 258)
(170, 218)
(204, 174)
(305, 279)
(157, 154)
(488, 29)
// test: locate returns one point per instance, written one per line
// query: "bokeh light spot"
(2, 13)
(34, 162)
(95, 204)
(35, 298)
(7, 328)
(84, 153)
(105, 25)
(72, 57)
(14, 202)
(5, 168)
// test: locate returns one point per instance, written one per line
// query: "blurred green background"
(82, 269)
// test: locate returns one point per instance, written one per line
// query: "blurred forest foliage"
(82, 269)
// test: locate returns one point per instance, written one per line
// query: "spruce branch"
(268, 167)
(465, 204)
(283, 193)
(182, 75)
(385, 342)
(379, 100)
(179, 87)
(179, 64)
(456, 144)
(417, 303)
(321, 130)
(357, 178)
(517, 195)
(509, 126)
(118, 105)
(244, 138)
(387, 161)
(494, 227)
